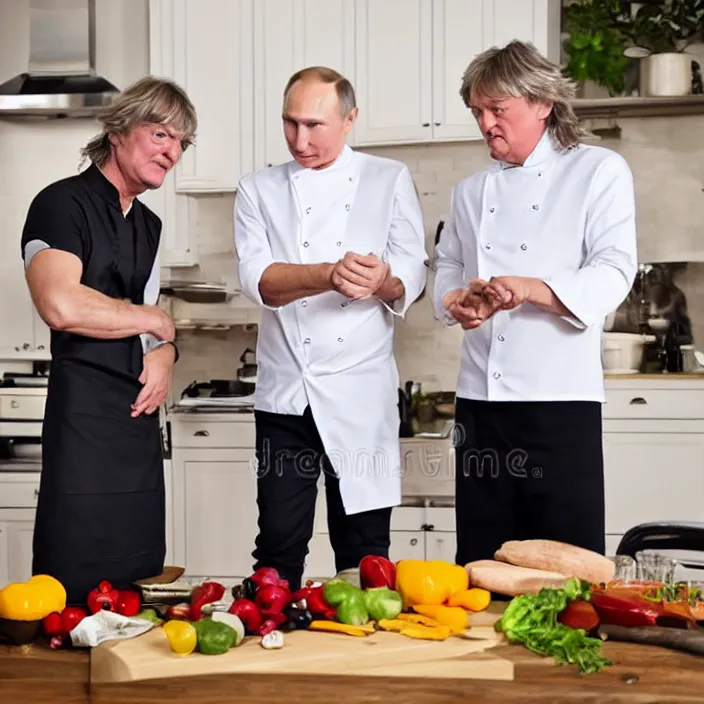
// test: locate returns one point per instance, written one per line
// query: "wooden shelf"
(589, 108)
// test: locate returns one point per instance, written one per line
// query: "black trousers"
(290, 457)
(528, 470)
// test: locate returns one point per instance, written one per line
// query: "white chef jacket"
(323, 350)
(567, 218)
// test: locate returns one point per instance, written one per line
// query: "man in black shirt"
(90, 252)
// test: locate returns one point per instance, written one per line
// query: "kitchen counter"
(36, 675)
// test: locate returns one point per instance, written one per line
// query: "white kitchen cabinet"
(4, 554)
(290, 35)
(215, 499)
(206, 47)
(214, 494)
(407, 545)
(24, 333)
(411, 55)
(16, 530)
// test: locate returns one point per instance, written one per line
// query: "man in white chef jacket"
(538, 249)
(331, 246)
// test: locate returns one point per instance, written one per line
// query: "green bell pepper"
(214, 637)
(382, 602)
(348, 601)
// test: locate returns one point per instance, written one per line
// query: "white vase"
(667, 75)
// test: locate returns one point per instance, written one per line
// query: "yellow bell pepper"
(430, 582)
(32, 600)
(454, 617)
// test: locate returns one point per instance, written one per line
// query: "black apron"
(101, 508)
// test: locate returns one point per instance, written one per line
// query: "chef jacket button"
(524, 246)
(496, 375)
(491, 210)
(501, 338)
(307, 211)
(339, 339)
(347, 206)
(306, 341)
(339, 244)
(304, 303)
(350, 179)
(487, 246)
(344, 304)
(535, 207)
(305, 244)
(540, 173)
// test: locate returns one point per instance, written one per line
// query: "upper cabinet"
(290, 35)
(206, 47)
(411, 55)
(393, 48)
(405, 59)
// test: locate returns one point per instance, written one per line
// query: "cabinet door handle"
(426, 124)
(638, 401)
(36, 493)
(414, 541)
(201, 433)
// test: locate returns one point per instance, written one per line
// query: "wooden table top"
(37, 675)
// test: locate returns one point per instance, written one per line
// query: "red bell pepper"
(272, 599)
(58, 625)
(248, 613)
(580, 614)
(205, 593)
(129, 602)
(620, 607)
(103, 597)
(376, 571)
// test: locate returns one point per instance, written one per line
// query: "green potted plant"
(595, 47)
(658, 32)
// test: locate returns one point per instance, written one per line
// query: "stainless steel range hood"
(61, 81)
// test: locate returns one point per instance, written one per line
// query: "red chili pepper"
(179, 611)
(205, 593)
(129, 602)
(104, 597)
(376, 571)
(315, 601)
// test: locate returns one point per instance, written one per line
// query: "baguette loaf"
(511, 580)
(553, 556)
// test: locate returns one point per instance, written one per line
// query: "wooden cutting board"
(382, 654)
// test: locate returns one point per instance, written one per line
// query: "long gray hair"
(520, 70)
(154, 100)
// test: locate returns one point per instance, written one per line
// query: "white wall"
(666, 155)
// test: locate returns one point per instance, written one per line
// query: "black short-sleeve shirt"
(82, 215)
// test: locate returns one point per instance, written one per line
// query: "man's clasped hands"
(473, 305)
(359, 276)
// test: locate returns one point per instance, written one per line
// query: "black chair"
(665, 535)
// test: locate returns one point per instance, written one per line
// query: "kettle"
(248, 371)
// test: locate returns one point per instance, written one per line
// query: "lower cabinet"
(16, 531)
(215, 510)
